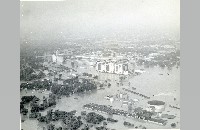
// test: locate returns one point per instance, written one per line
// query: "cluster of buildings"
(102, 64)
(113, 66)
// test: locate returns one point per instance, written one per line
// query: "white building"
(57, 58)
(60, 59)
(54, 58)
(116, 67)
(121, 68)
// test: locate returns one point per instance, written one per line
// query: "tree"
(95, 77)
(41, 75)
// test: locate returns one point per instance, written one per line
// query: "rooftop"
(156, 102)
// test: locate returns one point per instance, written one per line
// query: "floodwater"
(157, 83)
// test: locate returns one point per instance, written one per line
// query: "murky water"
(154, 81)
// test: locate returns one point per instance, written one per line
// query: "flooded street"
(157, 83)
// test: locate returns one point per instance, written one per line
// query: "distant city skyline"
(50, 21)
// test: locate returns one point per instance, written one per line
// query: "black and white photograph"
(99, 64)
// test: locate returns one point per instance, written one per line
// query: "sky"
(50, 20)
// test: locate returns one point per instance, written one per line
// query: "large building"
(112, 66)
(57, 58)
(156, 106)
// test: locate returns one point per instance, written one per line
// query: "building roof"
(156, 102)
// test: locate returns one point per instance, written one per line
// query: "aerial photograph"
(99, 64)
